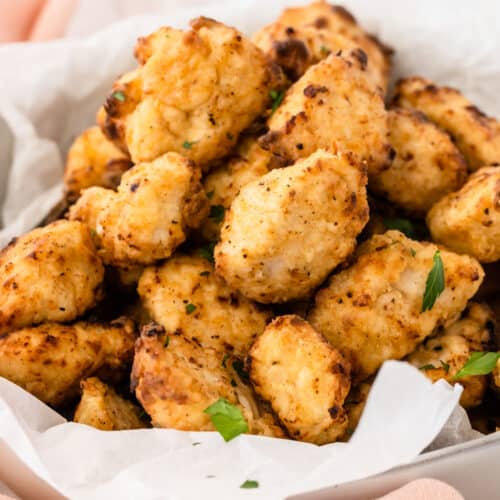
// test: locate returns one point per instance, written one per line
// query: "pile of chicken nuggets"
(258, 220)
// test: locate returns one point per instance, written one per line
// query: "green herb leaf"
(479, 363)
(190, 308)
(445, 366)
(227, 419)
(403, 225)
(277, 97)
(167, 341)
(427, 367)
(210, 194)
(204, 273)
(434, 284)
(217, 213)
(250, 483)
(196, 443)
(413, 253)
(118, 95)
(207, 251)
(188, 144)
(324, 50)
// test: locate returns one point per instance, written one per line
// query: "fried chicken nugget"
(93, 161)
(476, 135)
(303, 377)
(426, 165)
(372, 311)
(184, 295)
(148, 217)
(468, 221)
(194, 93)
(354, 406)
(303, 36)
(51, 359)
(335, 107)
(286, 231)
(101, 407)
(52, 273)
(444, 355)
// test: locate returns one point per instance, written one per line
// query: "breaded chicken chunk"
(176, 379)
(248, 163)
(476, 135)
(52, 273)
(354, 406)
(334, 106)
(51, 359)
(101, 407)
(372, 311)
(148, 217)
(444, 355)
(194, 92)
(305, 379)
(303, 36)
(426, 164)
(184, 295)
(468, 221)
(286, 231)
(93, 161)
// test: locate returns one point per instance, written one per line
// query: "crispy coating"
(354, 406)
(335, 107)
(426, 165)
(372, 311)
(496, 376)
(52, 273)
(468, 221)
(303, 377)
(148, 217)
(476, 135)
(194, 92)
(101, 407)
(248, 163)
(51, 359)
(444, 355)
(184, 295)
(303, 36)
(286, 231)
(93, 160)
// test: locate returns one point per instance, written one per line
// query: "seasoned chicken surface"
(286, 231)
(303, 377)
(52, 273)
(444, 355)
(354, 406)
(101, 407)
(184, 295)
(468, 221)
(194, 92)
(51, 359)
(333, 106)
(372, 311)
(303, 36)
(156, 204)
(93, 160)
(426, 164)
(476, 135)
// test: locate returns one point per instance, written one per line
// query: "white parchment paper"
(48, 93)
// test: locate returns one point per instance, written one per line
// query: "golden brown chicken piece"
(52, 273)
(468, 221)
(176, 379)
(303, 36)
(372, 311)
(248, 163)
(194, 92)
(306, 380)
(184, 295)
(51, 359)
(286, 231)
(101, 407)
(476, 135)
(354, 406)
(426, 165)
(93, 161)
(444, 355)
(155, 206)
(333, 106)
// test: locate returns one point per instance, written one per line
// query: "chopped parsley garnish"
(190, 308)
(277, 97)
(188, 144)
(210, 194)
(217, 213)
(434, 284)
(324, 50)
(427, 367)
(207, 251)
(118, 95)
(204, 273)
(167, 341)
(446, 366)
(250, 483)
(196, 443)
(479, 363)
(412, 252)
(405, 226)
(227, 419)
